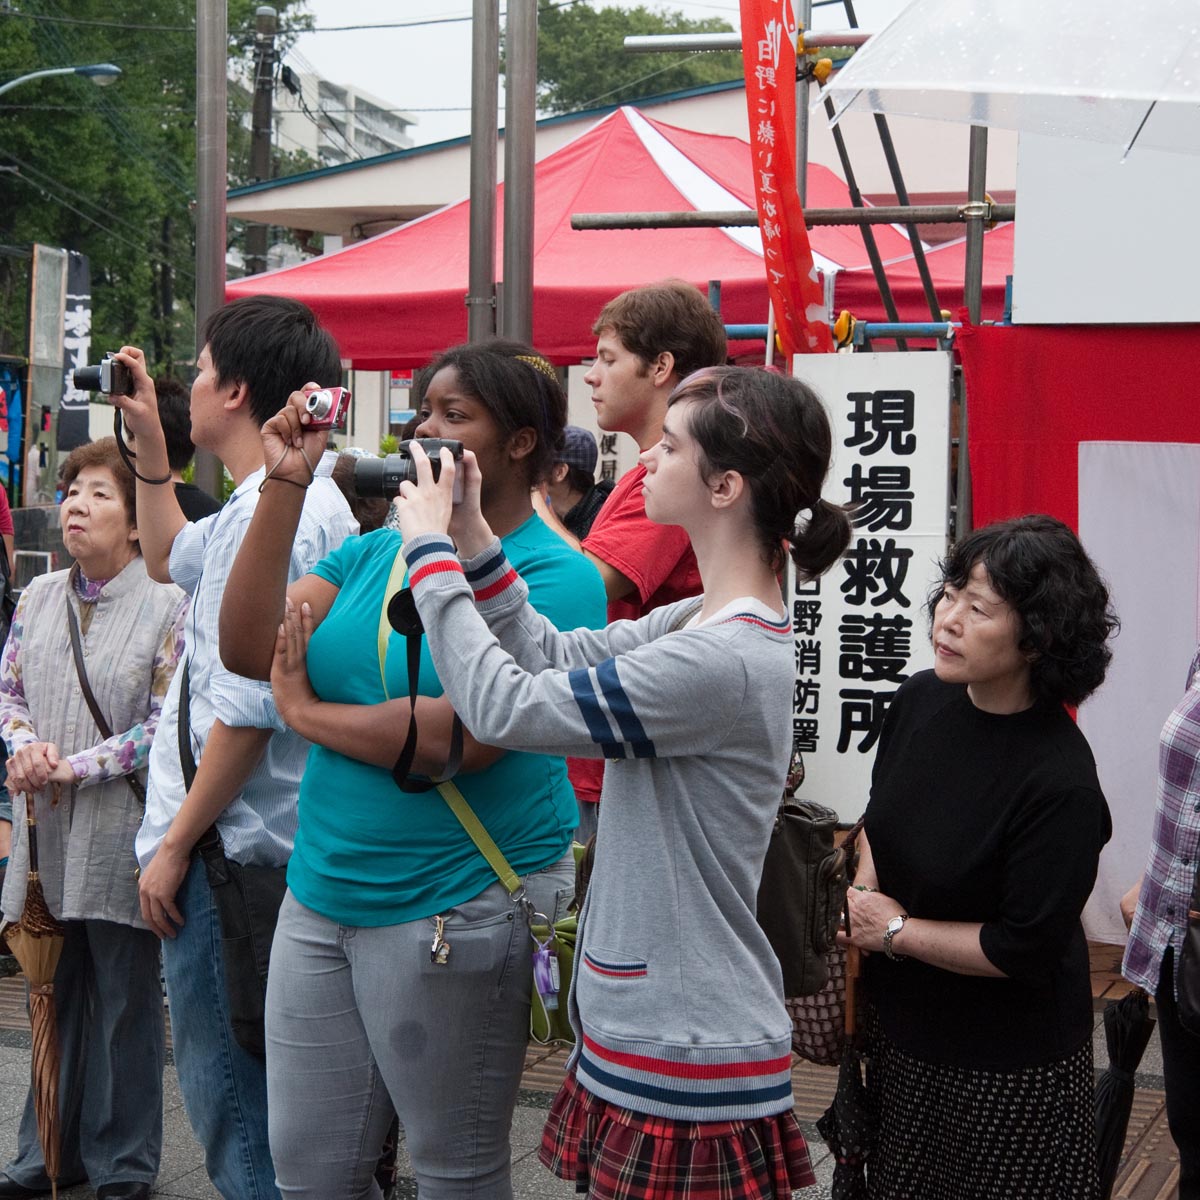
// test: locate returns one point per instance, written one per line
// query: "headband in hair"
(538, 363)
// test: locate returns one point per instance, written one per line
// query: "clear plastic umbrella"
(1102, 70)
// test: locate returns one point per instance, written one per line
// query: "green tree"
(109, 172)
(582, 63)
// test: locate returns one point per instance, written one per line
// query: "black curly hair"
(1040, 568)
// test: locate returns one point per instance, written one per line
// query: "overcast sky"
(428, 67)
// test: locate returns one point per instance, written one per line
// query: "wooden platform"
(1150, 1163)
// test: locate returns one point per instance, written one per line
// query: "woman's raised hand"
(291, 450)
(471, 533)
(290, 684)
(426, 506)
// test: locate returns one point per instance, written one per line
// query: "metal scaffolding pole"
(658, 42)
(973, 293)
(976, 218)
(520, 128)
(914, 237)
(868, 237)
(804, 20)
(211, 66)
(485, 105)
(889, 214)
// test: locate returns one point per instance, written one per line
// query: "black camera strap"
(400, 613)
(129, 455)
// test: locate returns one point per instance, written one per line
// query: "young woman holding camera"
(681, 1079)
(358, 1008)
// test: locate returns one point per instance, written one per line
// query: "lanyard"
(399, 612)
(396, 578)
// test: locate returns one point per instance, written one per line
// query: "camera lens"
(87, 379)
(319, 404)
(382, 476)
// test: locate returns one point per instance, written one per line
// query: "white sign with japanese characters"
(861, 629)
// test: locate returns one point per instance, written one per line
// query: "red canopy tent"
(397, 300)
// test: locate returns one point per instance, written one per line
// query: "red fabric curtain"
(1035, 392)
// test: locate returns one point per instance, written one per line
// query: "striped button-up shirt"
(1162, 908)
(259, 825)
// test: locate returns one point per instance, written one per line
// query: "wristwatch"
(893, 927)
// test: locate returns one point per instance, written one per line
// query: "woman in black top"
(983, 833)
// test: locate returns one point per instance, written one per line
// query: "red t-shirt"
(6, 521)
(657, 559)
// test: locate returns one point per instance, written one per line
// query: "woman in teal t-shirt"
(361, 1013)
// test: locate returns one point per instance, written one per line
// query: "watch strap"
(890, 933)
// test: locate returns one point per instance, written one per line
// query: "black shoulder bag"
(1187, 967)
(247, 901)
(135, 784)
(8, 600)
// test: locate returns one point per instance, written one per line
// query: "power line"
(640, 79)
(60, 20)
(296, 29)
(49, 192)
(160, 164)
(50, 181)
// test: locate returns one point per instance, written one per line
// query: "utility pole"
(211, 165)
(520, 130)
(260, 127)
(485, 105)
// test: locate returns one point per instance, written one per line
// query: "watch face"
(895, 925)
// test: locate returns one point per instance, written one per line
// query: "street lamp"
(101, 74)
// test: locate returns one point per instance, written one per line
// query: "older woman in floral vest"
(82, 776)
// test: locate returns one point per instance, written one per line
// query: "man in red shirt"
(648, 340)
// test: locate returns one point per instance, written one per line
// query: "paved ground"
(1149, 1170)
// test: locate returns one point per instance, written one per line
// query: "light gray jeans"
(359, 1019)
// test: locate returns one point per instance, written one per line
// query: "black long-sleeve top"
(997, 819)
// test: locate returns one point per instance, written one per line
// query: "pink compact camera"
(328, 408)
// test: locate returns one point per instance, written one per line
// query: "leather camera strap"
(135, 784)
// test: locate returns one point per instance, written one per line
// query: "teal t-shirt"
(369, 854)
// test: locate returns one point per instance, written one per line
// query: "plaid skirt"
(613, 1154)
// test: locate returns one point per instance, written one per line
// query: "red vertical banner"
(769, 56)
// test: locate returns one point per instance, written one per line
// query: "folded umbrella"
(1128, 1027)
(36, 941)
(848, 1124)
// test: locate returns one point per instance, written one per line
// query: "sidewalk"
(1149, 1169)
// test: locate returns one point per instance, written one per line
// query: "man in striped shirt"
(257, 350)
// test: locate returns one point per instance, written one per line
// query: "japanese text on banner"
(861, 630)
(769, 56)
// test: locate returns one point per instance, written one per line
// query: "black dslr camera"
(110, 377)
(383, 476)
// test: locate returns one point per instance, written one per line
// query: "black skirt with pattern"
(956, 1133)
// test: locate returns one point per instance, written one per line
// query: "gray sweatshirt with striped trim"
(677, 997)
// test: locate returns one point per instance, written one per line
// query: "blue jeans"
(224, 1087)
(108, 1005)
(359, 1019)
